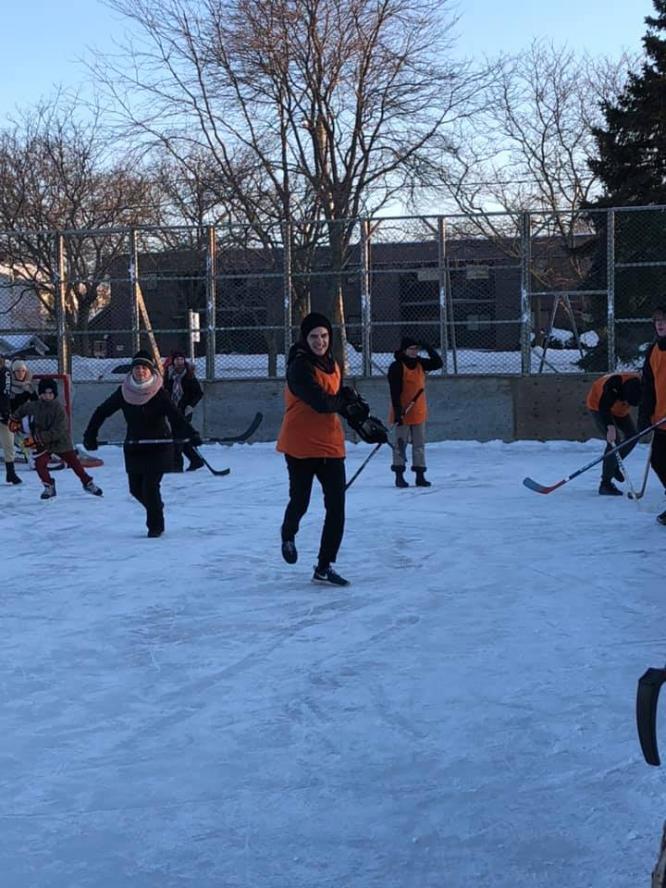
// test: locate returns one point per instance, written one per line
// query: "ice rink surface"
(191, 711)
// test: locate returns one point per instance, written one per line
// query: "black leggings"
(625, 429)
(145, 487)
(330, 472)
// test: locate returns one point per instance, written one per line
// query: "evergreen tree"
(631, 167)
(631, 162)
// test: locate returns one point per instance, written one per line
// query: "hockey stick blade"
(647, 700)
(540, 488)
(249, 431)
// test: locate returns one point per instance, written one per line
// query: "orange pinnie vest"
(412, 380)
(304, 432)
(619, 408)
(658, 366)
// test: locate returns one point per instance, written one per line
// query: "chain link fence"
(521, 293)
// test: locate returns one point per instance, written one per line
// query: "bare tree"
(327, 108)
(59, 173)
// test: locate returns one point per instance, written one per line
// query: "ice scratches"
(393, 717)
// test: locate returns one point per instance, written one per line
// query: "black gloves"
(371, 430)
(354, 408)
(90, 441)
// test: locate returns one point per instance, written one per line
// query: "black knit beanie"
(314, 319)
(47, 385)
(143, 359)
(407, 342)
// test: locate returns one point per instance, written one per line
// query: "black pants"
(330, 472)
(625, 429)
(145, 487)
(658, 458)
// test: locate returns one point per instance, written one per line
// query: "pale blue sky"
(42, 39)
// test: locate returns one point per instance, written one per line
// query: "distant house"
(482, 281)
(22, 344)
(20, 306)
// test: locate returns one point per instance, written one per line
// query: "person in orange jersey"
(313, 441)
(610, 400)
(653, 404)
(406, 377)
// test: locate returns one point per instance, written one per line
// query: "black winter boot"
(399, 476)
(12, 477)
(421, 479)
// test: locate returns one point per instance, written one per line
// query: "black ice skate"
(662, 518)
(607, 488)
(49, 491)
(91, 487)
(328, 575)
(289, 552)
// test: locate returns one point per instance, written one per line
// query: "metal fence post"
(525, 307)
(60, 294)
(133, 272)
(366, 311)
(287, 290)
(211, 298)
(610, 284)
(441, 272)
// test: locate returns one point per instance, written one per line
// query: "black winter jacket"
(157, 418)
(192, 391)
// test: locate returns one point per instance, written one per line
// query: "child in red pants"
(49, 433)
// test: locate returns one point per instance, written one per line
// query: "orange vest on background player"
(406, 376)
(653, 405)
(609, 387)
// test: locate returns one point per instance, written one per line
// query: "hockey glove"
(371, 430)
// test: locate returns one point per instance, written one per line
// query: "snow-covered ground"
(234, 366)
(191, 711)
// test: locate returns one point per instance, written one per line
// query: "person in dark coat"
(45, 424)
(7, 436)
(182, 386)
(149, 413)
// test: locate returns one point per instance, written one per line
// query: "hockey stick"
(641, 492)
(217, 472)
(647, 700)
(542, 488)
(249, 431)
(632, 491)
(375, 449)
(234, 439)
